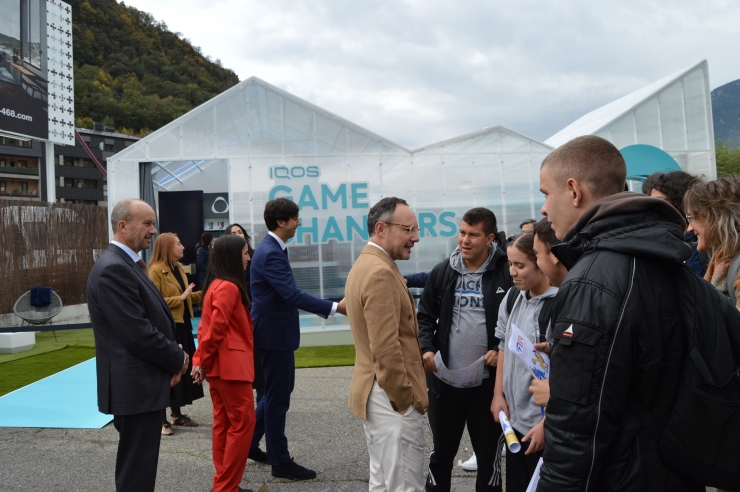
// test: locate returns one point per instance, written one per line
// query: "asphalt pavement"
(322, 435)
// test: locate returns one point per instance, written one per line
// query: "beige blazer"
(382, 316)
(167, 285)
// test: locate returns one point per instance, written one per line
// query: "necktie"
(142, 265)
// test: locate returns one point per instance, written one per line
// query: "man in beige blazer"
(388, 389)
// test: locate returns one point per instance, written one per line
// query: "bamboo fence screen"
(49, 244)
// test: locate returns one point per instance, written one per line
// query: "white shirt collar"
(134, 256)
(277, 238)
(379, 247)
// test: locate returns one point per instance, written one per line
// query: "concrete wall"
(76, 313)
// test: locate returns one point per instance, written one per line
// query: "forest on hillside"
(132, 73)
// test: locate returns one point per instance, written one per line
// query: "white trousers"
(395, 444)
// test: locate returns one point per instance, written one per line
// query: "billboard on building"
(36, 70)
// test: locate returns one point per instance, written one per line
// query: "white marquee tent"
(256, 142)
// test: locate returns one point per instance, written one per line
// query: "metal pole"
(51, 187)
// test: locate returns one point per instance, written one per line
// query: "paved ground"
(322, 434)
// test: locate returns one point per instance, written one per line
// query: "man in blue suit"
(275, 303)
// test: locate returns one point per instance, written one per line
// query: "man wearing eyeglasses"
(388, 390)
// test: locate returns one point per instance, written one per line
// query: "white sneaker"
(470, 465)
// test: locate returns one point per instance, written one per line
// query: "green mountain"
(726, 113)
(131, 72)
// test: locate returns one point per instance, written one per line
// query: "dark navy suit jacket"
(134, 337)
(276, 299)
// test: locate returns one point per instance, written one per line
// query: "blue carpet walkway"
(65, 400)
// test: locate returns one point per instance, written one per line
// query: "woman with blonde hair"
(713, 212)
(167, 274)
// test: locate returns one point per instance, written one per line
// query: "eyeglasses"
(690, 218)
(408, 228)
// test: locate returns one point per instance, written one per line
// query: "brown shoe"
(184, 421)
(167, 429)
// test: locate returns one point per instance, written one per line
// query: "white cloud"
(421, 71)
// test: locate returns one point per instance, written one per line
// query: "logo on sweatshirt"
(499, 291)
(468, 294)
(569, 332)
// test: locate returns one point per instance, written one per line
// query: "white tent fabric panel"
(673, 114)
(599, 118)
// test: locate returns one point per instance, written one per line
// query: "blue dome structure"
(643, 160)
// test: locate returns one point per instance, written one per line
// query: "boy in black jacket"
(457, 317)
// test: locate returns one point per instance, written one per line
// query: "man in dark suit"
(137, 358)
(275, 303)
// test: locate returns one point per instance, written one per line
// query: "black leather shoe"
(245, 490)
(256, 454)
(293, 471)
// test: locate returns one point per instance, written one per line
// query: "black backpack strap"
(544, 317)
(443, 281)
(511, 299)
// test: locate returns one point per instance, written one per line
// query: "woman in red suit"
(225, 357)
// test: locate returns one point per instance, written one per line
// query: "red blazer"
(225, 342)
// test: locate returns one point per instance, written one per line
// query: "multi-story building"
(19, 169)
(78, 180)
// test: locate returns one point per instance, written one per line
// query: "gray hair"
(123, 211)
(382, 212)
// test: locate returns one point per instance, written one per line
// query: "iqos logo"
(295, 172)
(225, 205)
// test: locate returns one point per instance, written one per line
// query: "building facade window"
(12, 142)
(86, 183)
(22, 187)
(3, 186)
(83, 163)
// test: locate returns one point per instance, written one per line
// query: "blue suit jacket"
(276, 299)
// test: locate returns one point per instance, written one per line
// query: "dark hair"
(226, 263)
(206, 238)
(382, 212)
(227, 230)
(525, 244)
(543, 231)
(591, 160)
(279, 209)
(674, 185)
(477, 215)
(528, 221)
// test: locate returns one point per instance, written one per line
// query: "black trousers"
(520, 467)
(449, 410)
(138, 450)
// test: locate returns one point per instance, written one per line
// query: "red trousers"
(233, 426)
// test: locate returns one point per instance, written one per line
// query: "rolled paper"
(511, 441)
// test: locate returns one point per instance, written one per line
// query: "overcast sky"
(417, 72)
